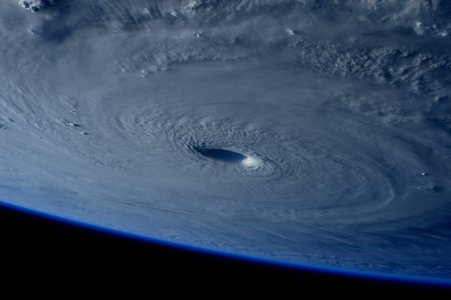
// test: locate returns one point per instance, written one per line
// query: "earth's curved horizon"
(310, 131)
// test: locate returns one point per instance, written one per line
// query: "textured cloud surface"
(309, 131)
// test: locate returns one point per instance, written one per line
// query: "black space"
(36, 249)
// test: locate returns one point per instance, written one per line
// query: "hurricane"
(307, 131)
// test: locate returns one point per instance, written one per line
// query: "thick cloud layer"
(309, 131)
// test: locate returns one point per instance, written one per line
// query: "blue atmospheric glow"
(413, 280)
